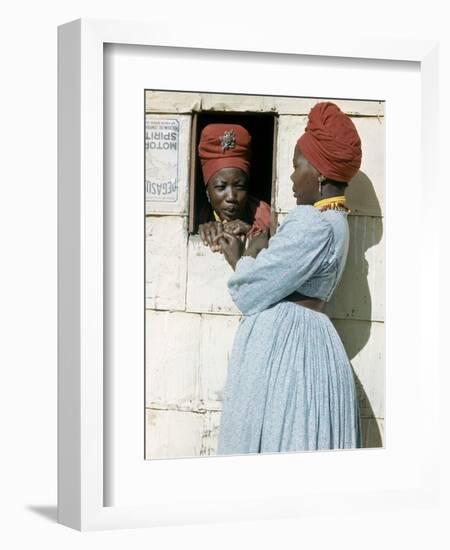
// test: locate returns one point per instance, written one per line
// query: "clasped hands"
(210, 230)
(229, 238)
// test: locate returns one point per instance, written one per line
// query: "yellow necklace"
(333, 203)
(216, 216)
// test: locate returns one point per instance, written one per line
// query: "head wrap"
(331, 142)
(224, 146)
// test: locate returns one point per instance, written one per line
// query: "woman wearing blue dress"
(290, 386)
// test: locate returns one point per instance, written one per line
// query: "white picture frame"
(84, 487)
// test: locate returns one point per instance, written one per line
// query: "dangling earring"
(207, 196)
(321, 179)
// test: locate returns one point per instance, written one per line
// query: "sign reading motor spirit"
(161, 159)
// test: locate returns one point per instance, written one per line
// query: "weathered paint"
(233, 102)
(210, 434)
(174, 434)
(302, 106)
(172, 102)
(365, 193)
(289, 130)
(360, 293)
(172, 357)
(364, 343)
(207, 270)
(166, 261)
(216, 339)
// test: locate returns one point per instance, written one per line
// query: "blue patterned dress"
(290, 386)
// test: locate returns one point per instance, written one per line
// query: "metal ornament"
(228, 140)
(321, 179)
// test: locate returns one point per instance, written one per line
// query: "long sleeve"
(302, 247)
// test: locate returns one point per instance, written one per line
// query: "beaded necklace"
(333, 203)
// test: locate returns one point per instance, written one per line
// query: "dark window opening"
(262, 127)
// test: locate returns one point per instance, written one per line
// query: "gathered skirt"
(290, 385)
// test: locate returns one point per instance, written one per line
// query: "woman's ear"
(207, 196)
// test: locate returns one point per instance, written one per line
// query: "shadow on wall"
(351, 308)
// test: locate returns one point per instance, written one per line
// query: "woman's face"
(228, 190)
(305, 180)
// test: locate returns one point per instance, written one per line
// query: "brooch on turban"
(228, 140)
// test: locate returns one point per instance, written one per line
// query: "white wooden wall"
(189, 310)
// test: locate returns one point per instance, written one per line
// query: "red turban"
(331, 142)
(224, 146)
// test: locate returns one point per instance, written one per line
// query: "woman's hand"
(257, 242)
(208, 232)
(231, 247)
(236, 227)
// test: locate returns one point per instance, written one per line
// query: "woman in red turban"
(224, 152)
(290, 385)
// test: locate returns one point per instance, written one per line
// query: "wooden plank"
(364, 343)
(172, 358)
(192, 172)
(160, 101)
(173, 434)
(166, 262)
(216, 340)
(361, 291)
(302, 106)
(207, 290)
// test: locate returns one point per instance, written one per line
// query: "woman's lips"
(229, 211)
